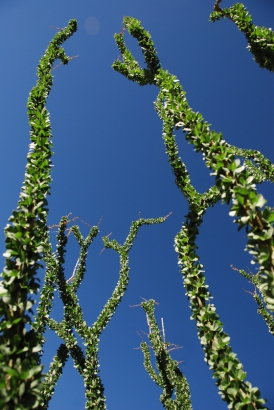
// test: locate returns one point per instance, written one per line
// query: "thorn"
(165, 217)
(247, 291)
(84, 222)
(175, 348)
(163, 330)
(102, 251)
(58, 65)
(100, 221)
(56, 28)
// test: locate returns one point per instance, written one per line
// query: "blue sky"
(109, 160)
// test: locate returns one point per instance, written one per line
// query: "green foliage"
(254, 279)
(169, 376)
(235, 185)
(28, 241)
(86, 363)
(132, 70)
(20, 371)
(260, 39)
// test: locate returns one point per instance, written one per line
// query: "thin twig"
(165, 217)
(174, 348)
(218, 8)
(163, 329)
(56, 28)
(100, 221)
(74, 271)
(58, 65)
(251, 293)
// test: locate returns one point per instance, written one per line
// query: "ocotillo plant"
(85, 362)
(259, 39)
(28, 242)
(169, 377)
(235, 185)
(20, 371)
(262, 310)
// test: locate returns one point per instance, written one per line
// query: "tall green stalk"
(235, 184)
(169, 377)
(86, 362)
(20, 370)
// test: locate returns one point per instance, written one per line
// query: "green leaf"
(232, 391)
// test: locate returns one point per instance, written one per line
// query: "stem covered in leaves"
(87, 363)
(169, 376)
(235, 183)
(20, 371)
(260, 39)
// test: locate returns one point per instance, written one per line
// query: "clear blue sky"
(110, 161)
